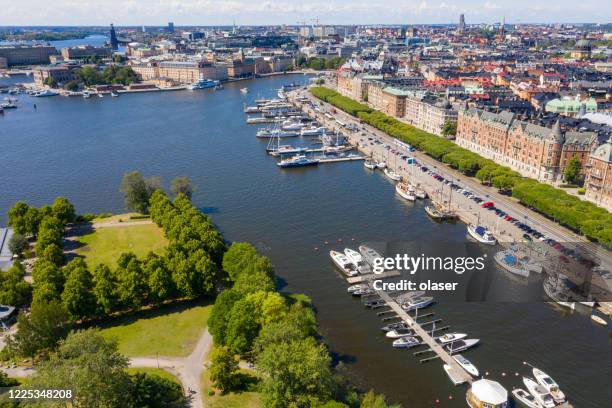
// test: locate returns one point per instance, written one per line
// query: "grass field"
(104, 245)
(171, 331)
(157, 371)
(249, 398)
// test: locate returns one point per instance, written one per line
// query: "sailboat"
(392, 174)
(403, 189)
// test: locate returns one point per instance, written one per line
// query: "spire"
(556, 132)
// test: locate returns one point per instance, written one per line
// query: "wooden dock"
(372, 276)
(456, 371)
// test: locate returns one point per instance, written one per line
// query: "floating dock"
(371, 276)
(342, 159)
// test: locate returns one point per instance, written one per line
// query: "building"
(532, 150)
(487, 394)
(394, 101)
(171, 27)
(241, 68)
(598, 183)
(26, 54)
(61, 74)
(582, 49)
(3, 63)
(461, 26)
(86, 52)
(428, 112)
(185, 72)
(113, 38)
(571, 106)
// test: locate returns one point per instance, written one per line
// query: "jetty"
(371, 276)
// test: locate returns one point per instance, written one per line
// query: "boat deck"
(456, 372)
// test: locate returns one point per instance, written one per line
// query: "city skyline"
(211, 12)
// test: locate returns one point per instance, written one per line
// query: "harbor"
(287, 214)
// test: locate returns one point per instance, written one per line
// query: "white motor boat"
(420, 193)
(400, 332)
(100, 95)
(343, 263)
(540, 393)
(369, 164)
(481, 234)
(381, 165)
(46, 92)
(450, 337)
(461, 345)
(355, 288)
(551, 385)
(244, 90)
(362, 292)
(406, 342)
(466, 365)
(370, 255)
(114, 94)
(526, 398)
(392, 174)
(313, 131)
(86, 95)
(599, 320)
(404, 191)
(417, 303)
(395, 326)
(357, 259)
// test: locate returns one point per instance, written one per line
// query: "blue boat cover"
(480, 230)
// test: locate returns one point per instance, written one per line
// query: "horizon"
(88, 13)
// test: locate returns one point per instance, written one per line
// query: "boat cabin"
(487, 394)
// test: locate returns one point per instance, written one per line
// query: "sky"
(265, 12)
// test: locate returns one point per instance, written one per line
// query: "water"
(81, 148)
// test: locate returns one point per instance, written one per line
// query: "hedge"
(592, 221)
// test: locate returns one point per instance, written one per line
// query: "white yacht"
(313, 131)
(540, 393)
(356, 287)
(406, 342)
(466, 365)
(525, 398)
(369, 164)
(203, 84)
(392, 174)
(299, 160)
(381, 165)
(46, 92)
(481, 234)
(291, 125)
(114, 94)
(461, 345)
(417, 303)
(357, 259)
(343, 263)
(399, 332)
(86, 94)
(450, 337)
(420, 193)
(244, 90)
(369, 254)
(551, 386)
(100, 95)
(404, 191)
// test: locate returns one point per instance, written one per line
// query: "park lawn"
(126, 217)
(106, 244)
(249, 398)
(171, 331)
(156, 371)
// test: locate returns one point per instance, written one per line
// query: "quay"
(342, 159)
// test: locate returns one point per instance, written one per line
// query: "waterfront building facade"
(185, 72)
(428, 112)
(598, 183)
(86, 51)
(26, 55)
(61, 74)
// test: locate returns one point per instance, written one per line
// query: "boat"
(369, 164)
(357, 259)
(452, 375)
(392, 174)
(374, 303)
(510, 262)
(114, 94)
(395, 326)
(313, 131)
(404, 297)
(450, 337)
(244, 90)
(287, 149)
(481, 234)
(46, 92)
(403, 190)
(291, 125)
(400, 332)
(203, 84)
(370, 255)
(406, 342)
(100, 95)
(540, 393)
(461, 345)
(549, 384)
(599, 320)
(556, 288)
(420, 193)
(86, 95)
(381, 165)
(525, 398)
(299, 160)
(417, 303)
(342, 262)
(466, 365)
(363, 292)
(354, 288)
(274, 133)
(434, 213)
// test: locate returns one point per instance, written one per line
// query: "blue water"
(81, 148)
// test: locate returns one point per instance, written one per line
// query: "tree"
(242, 257)
(572, 170)
(296, 373)
(90, 76)
(254, 282)
(77, 297)
(91, 366)
(159, 278)
(182, 185)
(371, 400)
(223, 369)
(42, 329)
(105, 289)
(154, 391)
(17, 244)
(48, 280)
(63, 210)
(242, 326)
(449, 129)
(217, 323)
(14, 290)
(53, 253)
(50, 232)
(17, 218)
(132, 287)
(72, 86)
(50, 82)
(137, 191)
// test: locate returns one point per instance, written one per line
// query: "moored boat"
(203, 84)
(540, 393)
(299, 160)
(399, 332)
(395, 326)
(369, 164)
(599, 320)
(417, 303)
(525, 398)
(370, 255)
(466, 365)
(356, 287)
(406, 342)
(244, 90)
(381, 165)
(357, 259)
(450, 337)
(392, 174)
(434, 213)
(549, 384)
(342, 262)
(481, 234)
(403, 189)
(461, 345)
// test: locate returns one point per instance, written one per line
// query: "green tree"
(50, 82)
(242, 326)
(572, 170)
(153, 391)
(50, 232)
(63, 210)
(72, 86)
(17, 244)
(105, 289)
(48, 280)
(159, 278)
(53, 253)
(449, 129)
(182, 185)
(223, 369)
(90, 76)
(78, 297)
(91, 366)
(14, 290)
(41, 329)
(242, 257)
(371, 400)
(217, 323)
(296, 373)
(138, 190)
(17, 218)
(132, 287)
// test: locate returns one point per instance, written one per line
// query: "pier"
(371, 276)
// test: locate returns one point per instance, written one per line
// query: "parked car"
(487, 204)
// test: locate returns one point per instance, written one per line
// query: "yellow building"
(487, 394)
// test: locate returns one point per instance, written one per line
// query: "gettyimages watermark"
(413, 264)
